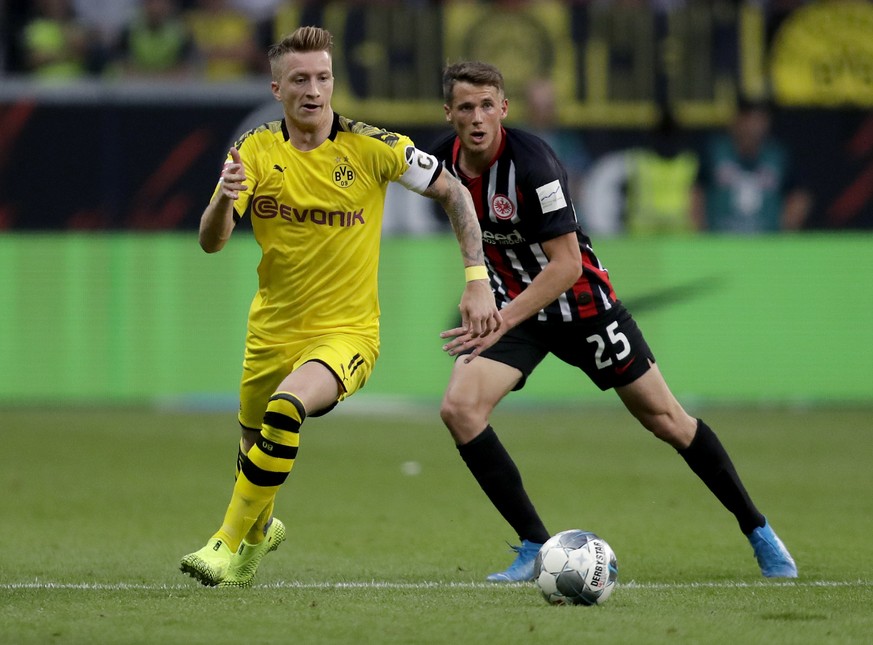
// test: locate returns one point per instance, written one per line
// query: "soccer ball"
(576, 568)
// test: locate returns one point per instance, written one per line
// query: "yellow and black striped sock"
(263, 470)
(258, 530)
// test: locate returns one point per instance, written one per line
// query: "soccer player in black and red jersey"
(555, 297)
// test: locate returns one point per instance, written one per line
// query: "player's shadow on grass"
(676, 294)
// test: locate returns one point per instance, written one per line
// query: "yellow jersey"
(317, 216)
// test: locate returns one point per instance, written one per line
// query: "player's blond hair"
(302, 39)
(473, 72)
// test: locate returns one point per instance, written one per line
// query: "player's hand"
(233, 176)
(479, 313)
(461, 340)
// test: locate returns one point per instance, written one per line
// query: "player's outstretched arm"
(479, 313)
(559, 275)
(216, 223)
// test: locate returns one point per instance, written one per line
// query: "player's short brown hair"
(473, 72)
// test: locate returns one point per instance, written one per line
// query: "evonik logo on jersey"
(266, 207)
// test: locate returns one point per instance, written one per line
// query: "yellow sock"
(264, 468)
(256, 533)
(258, 530)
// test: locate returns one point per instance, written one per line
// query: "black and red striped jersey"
(523, 201)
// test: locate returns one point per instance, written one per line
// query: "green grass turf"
(98, 506)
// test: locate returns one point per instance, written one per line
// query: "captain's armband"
(422, 170)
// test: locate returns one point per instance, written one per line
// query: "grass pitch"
(390, 538)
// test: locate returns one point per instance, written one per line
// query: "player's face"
(476, 113)
(304, 84)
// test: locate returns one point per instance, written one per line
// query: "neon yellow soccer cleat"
(210, 564)
(244, 563)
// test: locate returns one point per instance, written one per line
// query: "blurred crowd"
(740, 181)
(220, 40)
(215, 40)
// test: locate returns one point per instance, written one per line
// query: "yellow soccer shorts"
(349, 355)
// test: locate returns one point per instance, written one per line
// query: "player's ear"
(274, 87)
(504, 110)
(448, 112)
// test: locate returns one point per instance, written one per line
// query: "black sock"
(498, 476)
(709, 461)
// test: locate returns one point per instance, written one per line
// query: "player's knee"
(449, 412)
(457, 413)
(461, 424)
(285, 414)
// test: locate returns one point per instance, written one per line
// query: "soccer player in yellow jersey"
(314, 186)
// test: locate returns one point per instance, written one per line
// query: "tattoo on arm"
(458, 204)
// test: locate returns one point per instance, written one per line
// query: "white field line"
(375, 584)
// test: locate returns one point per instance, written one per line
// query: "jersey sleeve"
(546, 193)
(412, 168)
(247, 153)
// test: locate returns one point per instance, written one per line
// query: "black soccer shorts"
(609, 347)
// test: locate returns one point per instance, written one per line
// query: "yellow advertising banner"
(525, 41)
(823, 55)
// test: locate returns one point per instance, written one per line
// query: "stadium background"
(107, 298)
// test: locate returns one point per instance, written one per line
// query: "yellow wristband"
(476, 273)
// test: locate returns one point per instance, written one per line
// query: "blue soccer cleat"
(522, 569)
(772, 556)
